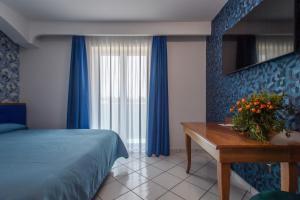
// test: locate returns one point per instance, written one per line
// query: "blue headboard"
(13, 113)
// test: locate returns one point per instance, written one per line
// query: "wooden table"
(227, 146)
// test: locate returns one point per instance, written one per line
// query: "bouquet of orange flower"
(257, 115)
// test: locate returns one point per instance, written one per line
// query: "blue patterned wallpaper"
(9, 70)
(280, 75)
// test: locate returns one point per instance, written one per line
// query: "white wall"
(187, 84)
(44, 76)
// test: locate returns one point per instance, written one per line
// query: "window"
(119, 71)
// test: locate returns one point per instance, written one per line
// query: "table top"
(224, 137)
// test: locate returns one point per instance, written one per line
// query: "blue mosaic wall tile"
(279, 75)
(9, 70)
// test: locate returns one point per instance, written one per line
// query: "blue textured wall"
(9, 69)
(280, 75)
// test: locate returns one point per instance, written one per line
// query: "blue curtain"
(78, 100)
(158, 108)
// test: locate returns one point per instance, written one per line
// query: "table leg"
(188, 152)
(224, 180)
(289, 176)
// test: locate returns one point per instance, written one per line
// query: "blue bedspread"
(56, 164)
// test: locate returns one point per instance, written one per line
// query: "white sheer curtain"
(273, 46)
(118, 76)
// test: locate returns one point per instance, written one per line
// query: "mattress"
(56, 164)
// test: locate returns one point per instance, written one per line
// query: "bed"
(52, 164)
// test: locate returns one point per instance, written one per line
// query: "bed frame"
(13, 113)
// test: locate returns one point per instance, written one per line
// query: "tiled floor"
(164, 178)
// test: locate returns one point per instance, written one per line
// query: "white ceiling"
(117, 10)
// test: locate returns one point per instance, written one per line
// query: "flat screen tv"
(265, 33)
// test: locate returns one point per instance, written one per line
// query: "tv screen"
(267, 32)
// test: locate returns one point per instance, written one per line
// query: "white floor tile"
(126, 160)
(209, 196)
(235, 193)
(97, 198)
(214, 189)
(109, 179)
(150, 172)
(170, 196)
(133, 180)
(164, 165)
(247, 196)
(175, 159)
(163, 157)
(208, 171)
(200, 181)
(149, 191)
(194, 165)
(202, 157)
(129, 196)
(112, 191)
(121, 171)
(150, 160)
(167, 180)
(179, 172)
(180, 154)
(136, 165)
(188, 191)
(166, 173)
(213, 162)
